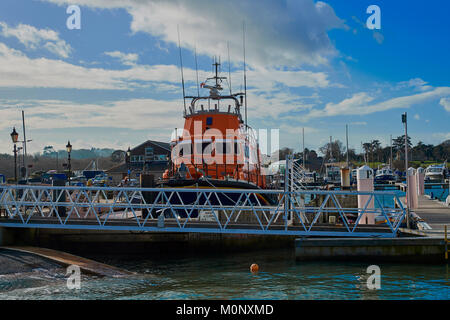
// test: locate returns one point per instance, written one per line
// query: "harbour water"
(438, 193)
(227, 276)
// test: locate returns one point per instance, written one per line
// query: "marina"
(213, 192)
(237, 150)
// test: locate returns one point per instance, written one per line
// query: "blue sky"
(116, 81)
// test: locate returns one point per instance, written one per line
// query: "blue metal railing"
(271, 212)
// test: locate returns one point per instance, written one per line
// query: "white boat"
(384, 174)
(332, 173)
(436, 172)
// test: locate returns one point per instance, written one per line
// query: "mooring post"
(147, 181)
(364, 182)
(420, 181)
(59, 196)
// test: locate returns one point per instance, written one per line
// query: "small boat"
(384, 175)
(277, 169)
(436, 173)
(332, 173)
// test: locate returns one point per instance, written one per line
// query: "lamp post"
(408, 201)
(15, 138)
(69, 150)
(128, 161)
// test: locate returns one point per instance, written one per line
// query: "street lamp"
(69, 150)
(128, 160)
(408, 200)
(15, 138)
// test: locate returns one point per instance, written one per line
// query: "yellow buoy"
(254, 268)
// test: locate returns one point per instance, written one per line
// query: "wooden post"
(147, 181)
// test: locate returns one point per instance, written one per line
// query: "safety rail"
(269, 212)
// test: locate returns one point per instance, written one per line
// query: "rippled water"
(228, 277)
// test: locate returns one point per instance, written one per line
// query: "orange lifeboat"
(215, 148)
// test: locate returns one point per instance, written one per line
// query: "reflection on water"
(228, 277)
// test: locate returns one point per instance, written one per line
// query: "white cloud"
(34, 38)
(359, 123)
(133, 114)
(128, 59)
(415, 83)
(359, 103)
(22, 71)
(277, 32)
(441, 136)
(18, 70)
(417, 117)
(378, 37)
(445, 102)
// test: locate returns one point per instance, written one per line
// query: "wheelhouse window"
(226, 147)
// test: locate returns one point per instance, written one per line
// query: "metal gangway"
(232, 211)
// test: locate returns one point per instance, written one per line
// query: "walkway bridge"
(297, 213)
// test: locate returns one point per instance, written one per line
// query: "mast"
(346, 136)
(303, 131)
(391, 162)
(245, 75)
(229, 68)
(216, 66)
(331, 149)
(182, 74)
(24, 146)
(196, 70)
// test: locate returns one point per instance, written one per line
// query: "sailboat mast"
(331, 149)
(24, 146)
(391, 162)
(181, 65)
(303, 131)
(346, 137)
(245, 74)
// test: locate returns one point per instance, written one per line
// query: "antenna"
(196, 70)
(229, 67)
(181, 65)
(245, 73)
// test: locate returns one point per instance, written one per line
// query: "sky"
(115, 82)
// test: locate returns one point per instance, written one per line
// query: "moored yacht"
(436, 172)
(384, 174)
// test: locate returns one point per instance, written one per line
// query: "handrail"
(232, 210)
